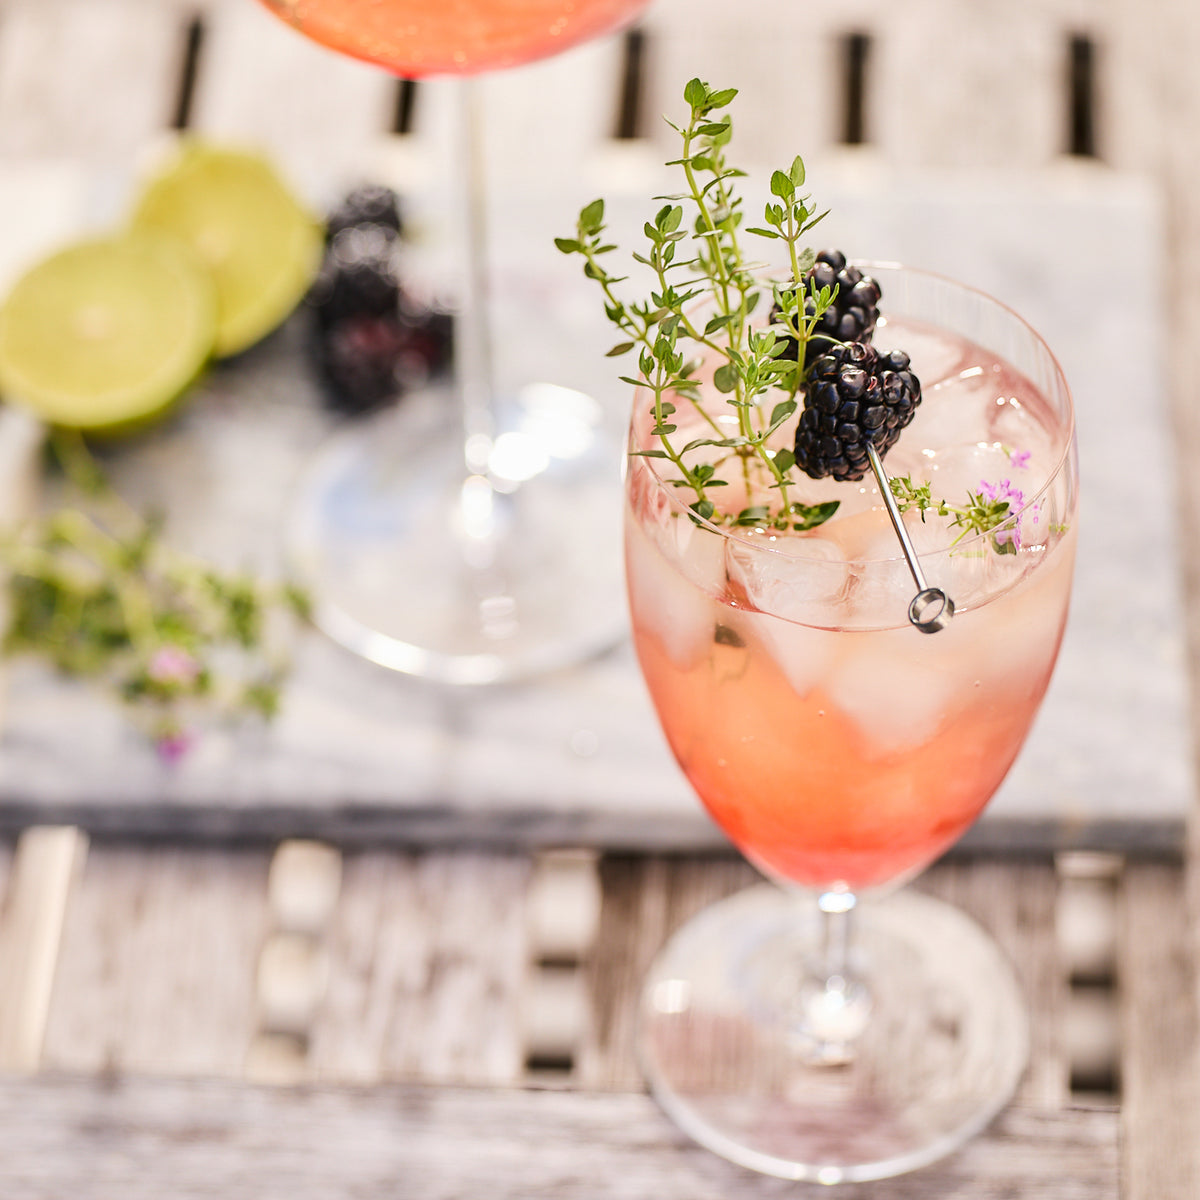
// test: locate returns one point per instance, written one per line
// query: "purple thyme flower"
(172, 745)
(997, 493)
(1020, 459)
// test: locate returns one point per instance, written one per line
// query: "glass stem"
(473, 346)
(837, 920)
(836, 1002)
(477, 517)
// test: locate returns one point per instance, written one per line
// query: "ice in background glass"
(469, 543)
(841, 750)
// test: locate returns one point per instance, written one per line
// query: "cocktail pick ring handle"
(930, 609)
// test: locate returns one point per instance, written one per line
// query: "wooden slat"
(138, 1139)
(945, 83)
(427, 959)
(86, 80)
(157, 967)
(317, 113)
(717, 43)
(1160, 1028)
(1015, 903)
(969, 85)
(44, 873)
(565, 106)
(1152, 108)
(644, 901)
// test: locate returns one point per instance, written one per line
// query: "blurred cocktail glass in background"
(469, 542)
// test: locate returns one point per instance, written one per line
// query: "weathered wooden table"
(290, 1015)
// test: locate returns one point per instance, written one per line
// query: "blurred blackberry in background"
(373, 340)
(370, 204)
(853, 395)
(358, 276)
(367, 360)
(357, 360)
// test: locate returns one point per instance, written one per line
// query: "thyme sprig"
(700, 266)
(94, 589)
(992, 508)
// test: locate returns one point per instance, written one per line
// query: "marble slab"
(362, 755)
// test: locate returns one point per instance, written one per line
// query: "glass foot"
(477, 580)
(727, 1044)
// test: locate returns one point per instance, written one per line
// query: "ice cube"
(899, 685)
(799, 577)
(673, 597)
(804, 654)
(894, 686)
(797, 583)
(956, 471)
(1015, 605)
(979, 573)
(1015, 426)
(853, 496)
(882, 585)
(697, 552)
(934, 356)
(957, 410)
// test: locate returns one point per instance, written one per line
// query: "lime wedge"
(261, 245)
(107, 333)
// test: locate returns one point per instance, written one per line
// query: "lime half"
(106, 333)
(262, 246)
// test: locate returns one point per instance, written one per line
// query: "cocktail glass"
(469, 542)
(827, 1026)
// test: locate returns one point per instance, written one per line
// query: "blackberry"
(853, 395)
(852, 315)
(370, 204)
(357, 277)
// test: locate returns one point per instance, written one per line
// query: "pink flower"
(173, 745)
(172, 664)
(1020, 459)
(996, 493)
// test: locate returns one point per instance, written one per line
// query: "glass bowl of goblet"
(831, 1025)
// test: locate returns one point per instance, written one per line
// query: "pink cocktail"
(833, 743)
(836, 1028)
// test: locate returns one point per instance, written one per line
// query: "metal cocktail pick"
(930, 609)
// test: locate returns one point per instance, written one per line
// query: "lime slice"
(261, 245)
(106, 333)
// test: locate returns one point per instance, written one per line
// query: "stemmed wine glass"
(469, 542)
(827, 1026)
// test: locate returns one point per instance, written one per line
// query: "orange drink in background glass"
(415, 38)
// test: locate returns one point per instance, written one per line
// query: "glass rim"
(927, 556)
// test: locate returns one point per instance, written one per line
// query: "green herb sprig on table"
(95, 590)
(701, 266)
